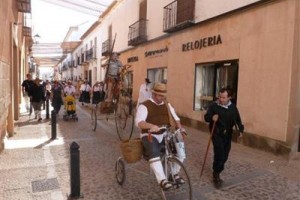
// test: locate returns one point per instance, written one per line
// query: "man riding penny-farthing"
(117, 99)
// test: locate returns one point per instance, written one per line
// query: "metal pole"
(53, 125)
(75, 170)
(47, 108)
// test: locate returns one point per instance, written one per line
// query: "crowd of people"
(36, 92)
(152, 111)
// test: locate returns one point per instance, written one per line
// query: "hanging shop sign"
(132, 59)
(156, 52)
(202, 43)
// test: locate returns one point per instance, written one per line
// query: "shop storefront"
(253, 58)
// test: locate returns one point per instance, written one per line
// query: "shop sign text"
(156, 52)
(202, 43)
(133, 59)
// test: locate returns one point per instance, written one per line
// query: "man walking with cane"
(223, 115)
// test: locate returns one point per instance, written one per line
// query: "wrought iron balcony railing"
(89, 54)
(24, 6)
(137, 33)
(82, 58)
(64, 68)
(178, 15)
(106, 46)
(78, 60)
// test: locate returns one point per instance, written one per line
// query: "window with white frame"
(157, 75)
(210, 78)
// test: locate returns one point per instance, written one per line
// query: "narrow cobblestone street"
(35, 167)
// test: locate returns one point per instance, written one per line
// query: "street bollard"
(47, 108)
(299, 141)
(75, 170)
(53, 125)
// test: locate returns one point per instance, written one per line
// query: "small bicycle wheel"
(182, 188)
(120, 171)
(94, 118)
(124, 119)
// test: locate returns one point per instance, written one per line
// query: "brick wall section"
(8, 16)
(4, 99)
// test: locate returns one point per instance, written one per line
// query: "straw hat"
(160, 88)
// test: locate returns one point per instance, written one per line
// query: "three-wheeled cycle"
(173, 166)
(120, 108)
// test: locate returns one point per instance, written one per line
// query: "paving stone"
(33, 158)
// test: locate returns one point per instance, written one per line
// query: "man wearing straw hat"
(150, 115)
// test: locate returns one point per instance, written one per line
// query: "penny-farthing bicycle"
(120, 109)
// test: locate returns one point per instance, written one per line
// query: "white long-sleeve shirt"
(85, 87)
(69, 90)
(145, 93)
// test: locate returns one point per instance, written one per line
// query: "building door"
(210, 78)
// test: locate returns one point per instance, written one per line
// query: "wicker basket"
(107, 107)
(132, 150)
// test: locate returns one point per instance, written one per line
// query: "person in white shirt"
(98, 92)
(150, 115)
(69, 89)
(85, 89)
(145, 92)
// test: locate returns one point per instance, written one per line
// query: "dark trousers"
(152, 149)
(222, 145)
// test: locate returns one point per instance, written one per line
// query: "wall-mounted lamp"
(36, 38)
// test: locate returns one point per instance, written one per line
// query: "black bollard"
(299, 141)
(47, 108)
(75, 170)
(53, 125)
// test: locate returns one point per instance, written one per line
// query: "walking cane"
(209, 141)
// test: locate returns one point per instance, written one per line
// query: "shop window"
(157, 75)
(128, 82)
(210, 78)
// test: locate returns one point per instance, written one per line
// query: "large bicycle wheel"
(120, 171)
(182, 189)
(94, 118)
(124, 118)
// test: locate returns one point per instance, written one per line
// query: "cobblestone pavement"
(35, 167)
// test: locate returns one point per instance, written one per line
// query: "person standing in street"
(85, 93)
(69, 89)
(145, 92)
(98, 92)
(37, 97)
(25, 89)
(223, 115)
(56, 96)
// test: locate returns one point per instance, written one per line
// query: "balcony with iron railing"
(106, 47)
(137, 33)
(178, 15)
(64, 67)
(24, 6)
(89, 54)
(83, 58)
(78, 60)
(73, 63)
